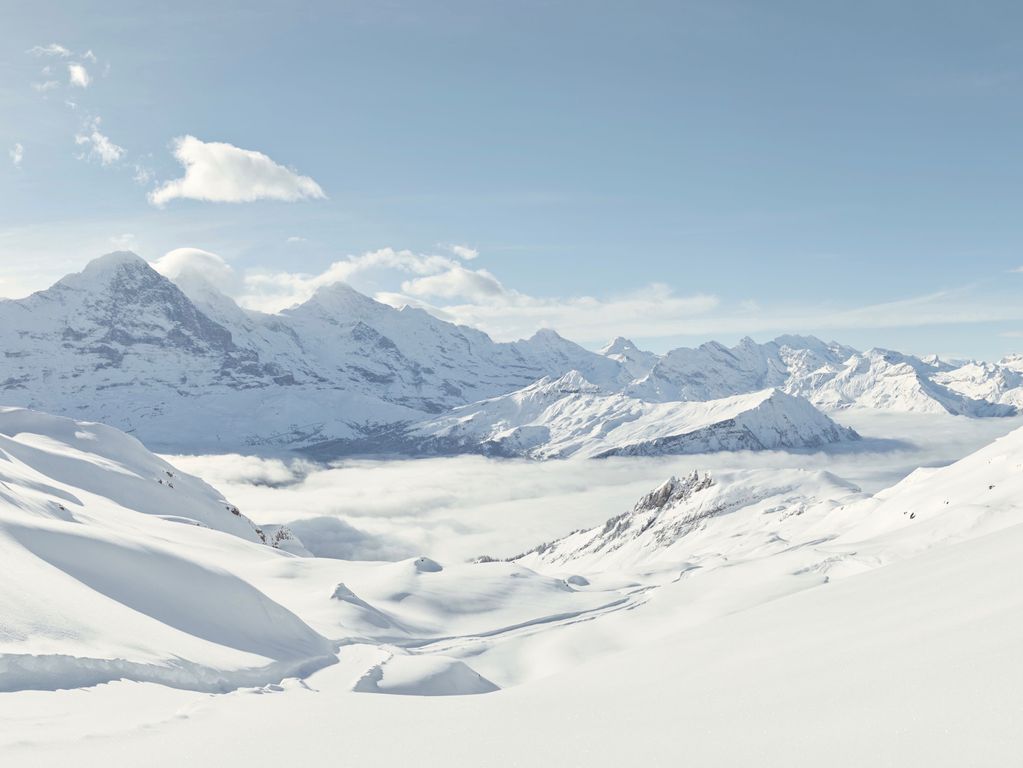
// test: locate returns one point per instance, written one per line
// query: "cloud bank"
(223, 173)
(456, 508)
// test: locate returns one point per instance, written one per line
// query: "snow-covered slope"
(747, 589)
(115, 565)
(710, 519)
(570, 416)
(704, 521)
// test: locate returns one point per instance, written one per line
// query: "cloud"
(17, 154)
(124, 242)
(53, 49)
(46, 85)
(478, 285)
(182, 262)
(445, 287)
(506, 314)
(456, 508)
(78, 75)
(464, 252)
(100, 146)
(143, 175)
(297, 239)
(89, 56)
(270, 291)
(221, 172)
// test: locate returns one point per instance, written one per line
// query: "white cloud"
(476, 285)
(17, 154)
(464, 252)
(100, 146)
(506, 314)
(297, 239)
(482, 300)
(143, 175)
(221, 172)
(270, 291)
(182, 262)
(89, 56)
(46, 85)
(78, 75)
(53, 49)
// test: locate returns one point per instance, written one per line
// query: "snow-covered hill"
(117, 565)
(570, 416)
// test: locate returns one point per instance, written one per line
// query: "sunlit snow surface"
(767, 610)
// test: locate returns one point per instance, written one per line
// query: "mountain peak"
(618, 346)
(340, 299)
(113, 261)
(116, 266)
(547, 334)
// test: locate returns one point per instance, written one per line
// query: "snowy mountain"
(185, 367)
(830, 375)
(1000, 382)
(636, 362)
(570, 416)
(892, 381)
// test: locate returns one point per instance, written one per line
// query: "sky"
(668, 171)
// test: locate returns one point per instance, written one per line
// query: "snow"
(184, 368)
(784, 593)
(114, 567)
(825, 624)
(569, 416)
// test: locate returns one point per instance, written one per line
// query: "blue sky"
(674, 171)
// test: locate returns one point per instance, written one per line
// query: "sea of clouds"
(461, 507)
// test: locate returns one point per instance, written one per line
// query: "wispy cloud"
(221, 172)
(45, 85)
(17, 154)
(53, 49)
(99, 146)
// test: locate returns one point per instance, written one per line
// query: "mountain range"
(184, 368)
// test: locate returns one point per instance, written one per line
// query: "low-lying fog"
(460, 507)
